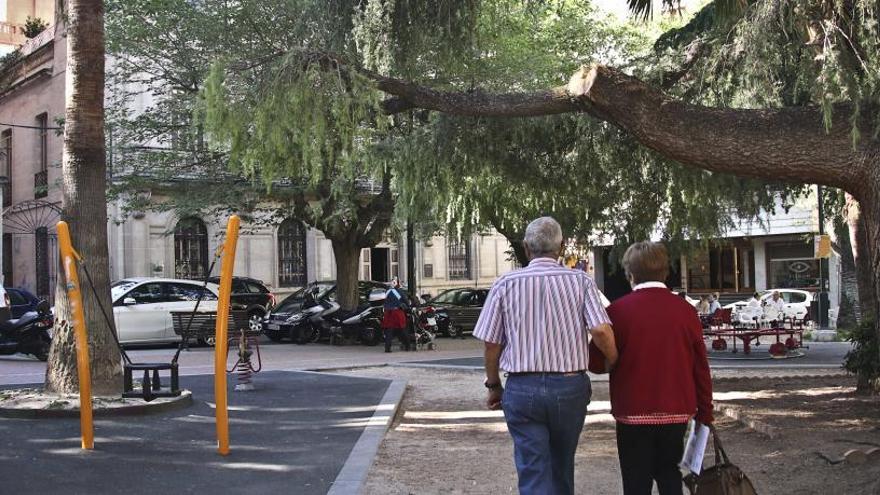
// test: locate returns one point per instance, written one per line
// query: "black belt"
(538, 373)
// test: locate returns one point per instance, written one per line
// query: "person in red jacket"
(661, 379)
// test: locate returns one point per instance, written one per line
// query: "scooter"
(302, 325)
(363, 324)
(28, 334)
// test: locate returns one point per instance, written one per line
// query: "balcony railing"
(41, 184)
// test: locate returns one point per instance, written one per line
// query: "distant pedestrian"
(394, 317)
(535, 325)
(703, 305)
(661, 379)
(714, 304)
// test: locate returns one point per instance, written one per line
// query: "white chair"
(772, 313)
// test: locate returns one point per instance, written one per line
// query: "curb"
(181, 402)
(458, 367)
(353, 475)
(832, 372)
(736, 414)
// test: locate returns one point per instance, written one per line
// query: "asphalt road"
(292, 435)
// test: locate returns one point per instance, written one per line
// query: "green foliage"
(864, 358)
(33, 26)
(770, 54)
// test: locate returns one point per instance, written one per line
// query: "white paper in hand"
(695, 447)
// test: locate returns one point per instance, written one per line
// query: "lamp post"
(821, 318)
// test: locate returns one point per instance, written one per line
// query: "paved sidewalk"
(292, 435)
(286, 356)
(825, 355)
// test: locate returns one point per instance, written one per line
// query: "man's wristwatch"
(492, 386)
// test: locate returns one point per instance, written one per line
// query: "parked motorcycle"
(300, 319)
(28, 334)
(363, 324)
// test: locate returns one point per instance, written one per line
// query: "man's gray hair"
(543, 237)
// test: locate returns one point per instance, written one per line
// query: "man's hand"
(493, 399)
(603, 336)
(492, 355)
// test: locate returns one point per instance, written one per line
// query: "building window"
(428, 270)
(41, 176)
(395, 263)
(458, 255)
(291, 254)
(6, 146)
(791, 266)
(366, 264)
(190, 249)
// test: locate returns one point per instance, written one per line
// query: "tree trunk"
(519, 250)
(84, 206)
(858, 238)
(347, 255)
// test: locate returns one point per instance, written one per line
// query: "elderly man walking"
(535, 323)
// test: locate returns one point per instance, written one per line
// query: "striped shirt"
(541, 315)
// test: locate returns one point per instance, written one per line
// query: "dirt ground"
(444, 441)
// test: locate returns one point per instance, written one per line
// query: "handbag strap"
(720, 454)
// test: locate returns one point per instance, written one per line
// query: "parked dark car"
(251, 295)
(457, 310)
(21, 301)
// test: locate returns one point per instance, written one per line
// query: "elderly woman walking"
(661, 379)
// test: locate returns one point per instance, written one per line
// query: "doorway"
(379, 264)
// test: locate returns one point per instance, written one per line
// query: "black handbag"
(724, 478)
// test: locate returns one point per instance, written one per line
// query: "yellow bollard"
(221, 332)
(69, 258)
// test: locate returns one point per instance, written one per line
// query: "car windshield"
(294, 301)
(454, 296)
(117, 289)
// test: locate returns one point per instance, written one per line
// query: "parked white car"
(797, 302)
(142, 307)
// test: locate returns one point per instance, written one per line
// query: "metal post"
(820, 294)
(220, 335)
(411, 261)
(69, 258)
(3, 181)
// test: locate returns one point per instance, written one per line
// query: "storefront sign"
(822, 246)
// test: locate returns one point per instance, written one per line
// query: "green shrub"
(34, 26)
(864, 358)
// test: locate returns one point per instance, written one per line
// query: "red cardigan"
(662, 375)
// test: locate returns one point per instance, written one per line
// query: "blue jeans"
(545, 416)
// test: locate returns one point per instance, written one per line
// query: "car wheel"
(454, 332)
(208, 341)
(255, 322)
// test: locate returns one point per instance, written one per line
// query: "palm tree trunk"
(84, 205)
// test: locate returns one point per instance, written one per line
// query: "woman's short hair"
(646, 262)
